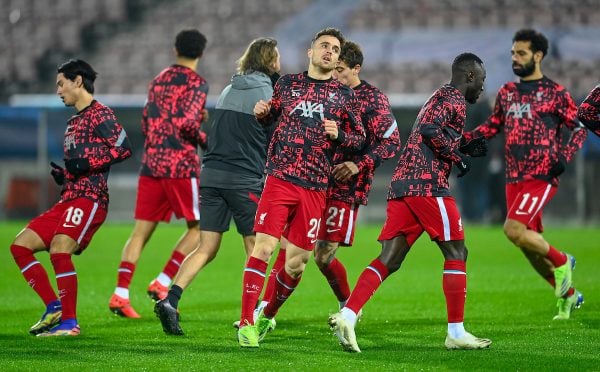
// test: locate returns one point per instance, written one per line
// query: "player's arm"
(267, 112)
(441, 139)
(589, 111)
(192, 108)
(353, 138)
(568, 114)
(387, 138)
(117, 149)
(492, 126)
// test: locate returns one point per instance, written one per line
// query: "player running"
(419, 200)
(94, 141)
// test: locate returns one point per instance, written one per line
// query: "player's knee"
(513, 233)
(322, 254)
(18, 251)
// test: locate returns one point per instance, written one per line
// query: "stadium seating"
(130, 41)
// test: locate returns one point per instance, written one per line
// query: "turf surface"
(403, 326)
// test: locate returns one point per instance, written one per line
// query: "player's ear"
(470, 76)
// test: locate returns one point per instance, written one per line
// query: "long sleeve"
(118, 147)
(568, 114)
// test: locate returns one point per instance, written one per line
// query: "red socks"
(368, 282)
(253, 282)
(173, 264)
(277, 267)
(454, 282)
(34, 273)
(125, 273)
(337, 278)
(556, 257)
(284, 286)
(66, 280)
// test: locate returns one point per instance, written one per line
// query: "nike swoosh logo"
(67, 225)
(332, 230)
(313, 241)
(521, 213)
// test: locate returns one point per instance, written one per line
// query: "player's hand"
(476, 147)
(331, 129)
(344, 171)
(58, 173)
(262, 108)
(464, 165)
(205, 115)
(558, 168)
(77, 166)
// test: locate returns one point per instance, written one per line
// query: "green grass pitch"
(403, 326)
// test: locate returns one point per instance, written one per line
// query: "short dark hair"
(351, 54)
(330, 31)
(77, 67)
(259, 56)
(538, 41)
(464, 61)
(190, 43)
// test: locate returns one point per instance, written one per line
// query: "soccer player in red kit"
(353, 176)
(315, 114)
(353, 172)
(94, 141)
(168, 182)
(419, 200)
(589, 111)
(542, 134)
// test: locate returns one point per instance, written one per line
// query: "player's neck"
(84, 102)
(187, 62)
(317, 73)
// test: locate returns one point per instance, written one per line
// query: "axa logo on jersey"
(516, 110)
(70, 141)
(308, 109)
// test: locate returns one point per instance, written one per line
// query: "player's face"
(476, 86)
(66, 89)
(343, 73)
(277, 63)
(523, 63)
(324, 52)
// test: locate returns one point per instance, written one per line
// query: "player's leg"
(399, 232)
(119, 302)
(338, 228)
(272, 214)
(278, 265)
(523, 227)
(441, 219)
(151, 207)
(158, 288)
(25, 245)
(82, 218)
(333, 270)
(183, 197)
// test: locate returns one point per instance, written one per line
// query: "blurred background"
(408, 46)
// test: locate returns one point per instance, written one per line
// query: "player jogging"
(94, 141)
(539, 119)
(419, 200)
(168, 181)
(315, 114)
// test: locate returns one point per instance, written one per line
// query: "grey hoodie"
(237, 144)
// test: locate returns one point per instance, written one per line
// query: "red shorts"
(340, 222)
(410, 216)
(159, 198)
(78, 218)
(283, 203)
(525, 202)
